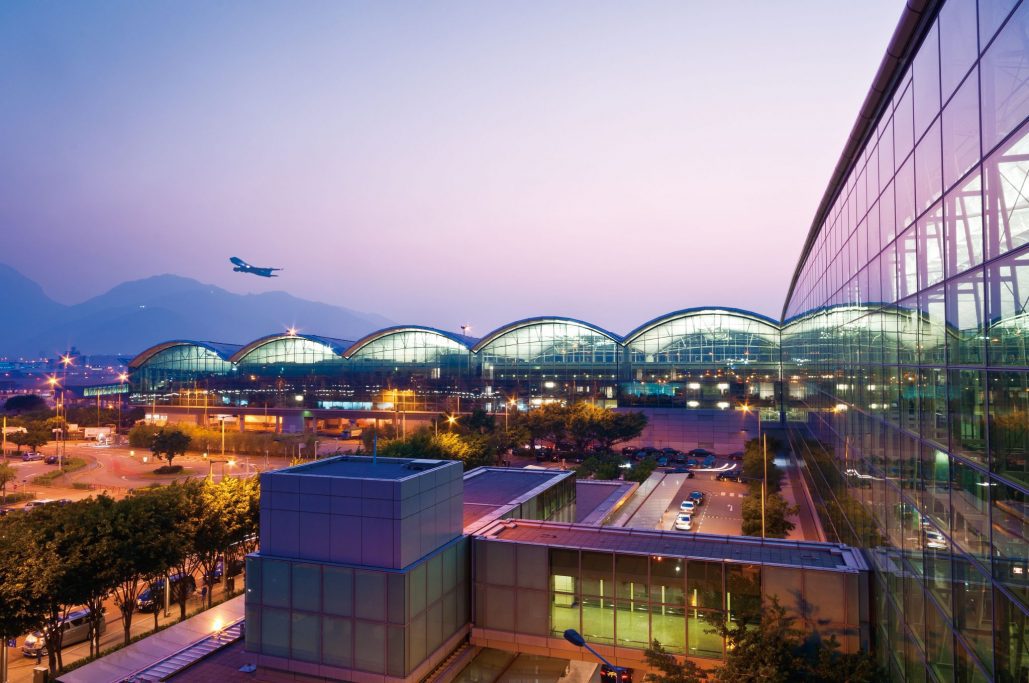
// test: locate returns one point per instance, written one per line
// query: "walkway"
(151, 650)
(794, 490)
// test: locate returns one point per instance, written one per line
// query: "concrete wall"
(721, 431)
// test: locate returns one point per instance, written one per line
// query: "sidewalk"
(794, 490)
(146, 652)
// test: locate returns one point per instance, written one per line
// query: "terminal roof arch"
(466, 342)
(695, 311)
(540, 320)
(335, 346)
(223, 351)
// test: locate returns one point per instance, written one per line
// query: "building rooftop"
(364, 467)
(596, 499)
(489, 492)
(800, 554)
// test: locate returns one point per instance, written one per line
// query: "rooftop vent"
(422, 465)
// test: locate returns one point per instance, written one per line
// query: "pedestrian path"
(150, 651)
(795, 492)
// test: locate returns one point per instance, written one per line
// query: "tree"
(22, 608)
(27, 403)
(36, 434)
(762, 648)
(671, 669)
(7, 475)
(168, 443)
(777, 514)
(142, 549)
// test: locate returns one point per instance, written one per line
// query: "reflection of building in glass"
(904, 345)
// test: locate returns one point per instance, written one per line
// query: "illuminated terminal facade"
(711, 358)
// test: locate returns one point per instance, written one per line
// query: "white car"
(684, 522)
(687, 506)
(935, 540)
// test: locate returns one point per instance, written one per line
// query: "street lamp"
(452, 421)
(573, 637)
(122, 379)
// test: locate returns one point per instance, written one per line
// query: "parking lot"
(720, 512)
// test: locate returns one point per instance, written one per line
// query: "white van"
(76, 630)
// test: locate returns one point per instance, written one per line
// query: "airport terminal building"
(899, 368)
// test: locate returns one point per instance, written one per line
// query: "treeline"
(56, 558)
(208, 440)
(481, 438)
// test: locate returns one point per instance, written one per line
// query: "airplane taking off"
(242, 266)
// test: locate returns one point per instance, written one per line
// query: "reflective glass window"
(961, 132)
(1006, 184)
(966, 319)
(969, 502)
(903, 128)
(1009, 424)
(930, 247)
(926, 81)
(992, 14)
(904, 188)
(1011, 646)
(973, 609)
(1011, 540)
(963, 214)
(967, 390)
(1005, 80)
(1009, 310)
(932, 327)
(928, 172)
(959, 45)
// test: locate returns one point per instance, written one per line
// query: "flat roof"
(594, 499)
(364, 467)
(743, 549)
(491, 491)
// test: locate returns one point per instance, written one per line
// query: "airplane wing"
(235, 260)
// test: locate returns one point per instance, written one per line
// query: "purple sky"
(438, 163)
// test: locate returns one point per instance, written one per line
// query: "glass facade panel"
(944, 434)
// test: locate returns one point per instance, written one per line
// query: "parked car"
(700, 453)
(687, 506)
(152, 596)
(662, 461)
(679, 458)
(709, 461)
(728, 475)
(629, 451)
(51, 459)
(76, 630)
(30, 456)
(736, 456)
(697, 497)
(684, 522)
(692, 463)
(33, 504)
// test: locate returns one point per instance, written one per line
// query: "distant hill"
(137, 314)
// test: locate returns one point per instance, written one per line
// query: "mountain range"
(137, 314)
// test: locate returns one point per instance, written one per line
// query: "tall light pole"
(122, 378)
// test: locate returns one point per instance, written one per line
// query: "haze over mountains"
(137, 314)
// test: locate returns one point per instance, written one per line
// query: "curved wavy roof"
(338, 346)
(527, 322)
(467, 342)
(224, 351)
(699, 310)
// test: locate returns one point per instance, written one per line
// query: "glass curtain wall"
(551, 360)
(704, 359)
(905, 341)
(291, 371)
(170, 371)
(411, 369)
